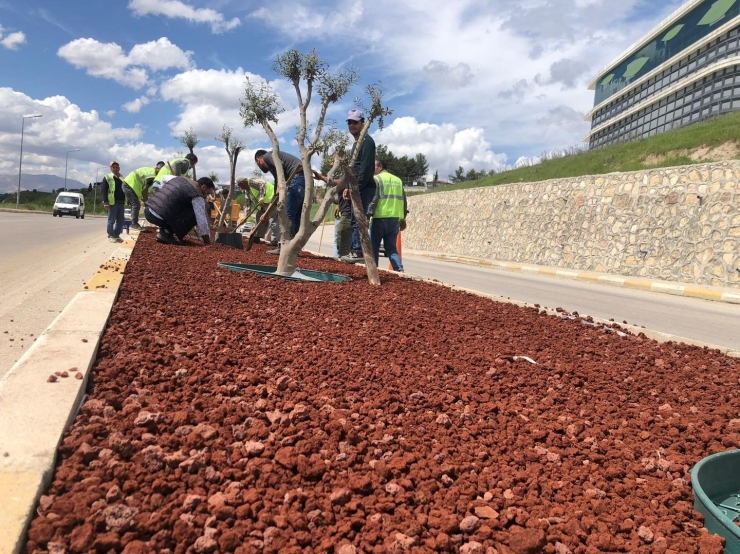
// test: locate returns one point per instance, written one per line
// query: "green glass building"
(684, 70)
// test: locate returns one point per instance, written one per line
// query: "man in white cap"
(364, 172)
(114, 201)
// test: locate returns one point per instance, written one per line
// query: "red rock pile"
(237, 413)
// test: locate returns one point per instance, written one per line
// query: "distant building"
(684, 70)
(439, 183)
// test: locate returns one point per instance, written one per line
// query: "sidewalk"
(41, 394)
(704, 292)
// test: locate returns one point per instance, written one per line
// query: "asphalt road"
(703, 320)
(44, 262)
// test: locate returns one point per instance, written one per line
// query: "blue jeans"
(385, 229)
(115, 220)
(367, 194)
(294, 201)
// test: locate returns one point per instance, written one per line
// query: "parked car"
(69, 203)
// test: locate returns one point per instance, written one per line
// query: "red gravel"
(236, 413)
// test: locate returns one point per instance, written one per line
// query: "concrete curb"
(649, 333)
(665, 287)
(34, 413)
(41, 212)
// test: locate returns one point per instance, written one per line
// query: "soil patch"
(237, 413)
(725, 151)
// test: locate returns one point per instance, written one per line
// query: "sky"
(472, 83)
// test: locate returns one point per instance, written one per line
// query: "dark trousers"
(133, 201)
(367, 194)
(154, 220)
(385, 230)
(344, 236)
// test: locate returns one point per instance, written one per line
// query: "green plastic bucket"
(716, 484)
(299, 275)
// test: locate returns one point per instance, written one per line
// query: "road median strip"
(41, 394)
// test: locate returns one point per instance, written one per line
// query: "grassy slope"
(622, 157)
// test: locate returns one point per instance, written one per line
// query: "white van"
(69, 203)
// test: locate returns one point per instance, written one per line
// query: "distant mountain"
(42, 183)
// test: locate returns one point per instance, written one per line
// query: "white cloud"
(160, 55)
(135, 105)
(211, 98)
(13, 40)
(309, 20)
(476, 63)
(109, 61)
(445, 146)
(443, 75)
(179, 10)
(110, 113)
(63, 126)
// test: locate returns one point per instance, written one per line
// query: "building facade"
(684, 70)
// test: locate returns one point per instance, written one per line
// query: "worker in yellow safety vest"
(136, 188)
(257, 192)
(388, 211)
(178, 167)
(114, 201)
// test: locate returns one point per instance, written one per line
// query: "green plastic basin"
(716, 484)
(299, 275)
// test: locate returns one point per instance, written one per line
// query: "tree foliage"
(409, 170)
(189, 139)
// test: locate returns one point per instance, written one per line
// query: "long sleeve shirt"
(365, 163)
(201, 219)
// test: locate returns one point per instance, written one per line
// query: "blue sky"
(473, 82)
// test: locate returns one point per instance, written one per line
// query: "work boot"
(112, 239)
(136, 227)
(165, 238)
(275, 252)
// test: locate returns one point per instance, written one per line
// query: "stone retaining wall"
(675, 224)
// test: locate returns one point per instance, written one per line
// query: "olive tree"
(310, 76)
(189, 139)
(233, 147)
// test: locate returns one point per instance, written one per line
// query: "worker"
(296, 187)
(179, 206)
(257, 193)
(136, 188)
(114, 201)
(364, 173)
(176, 168)
(388, 210)
(342, 216)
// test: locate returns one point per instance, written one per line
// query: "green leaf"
(716, 12)
(635, 66)
(672, 33)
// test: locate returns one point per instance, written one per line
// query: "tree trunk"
(226, 205)
(367, 247)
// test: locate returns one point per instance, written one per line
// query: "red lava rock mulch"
(237, 413)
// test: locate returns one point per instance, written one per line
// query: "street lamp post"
(66, 161)
(20, 163)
